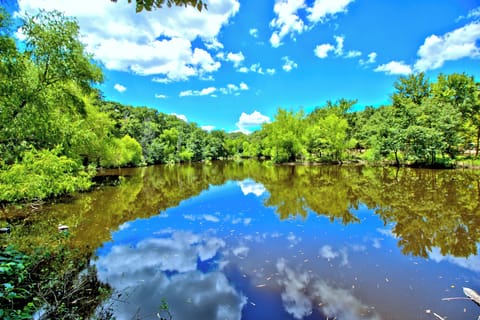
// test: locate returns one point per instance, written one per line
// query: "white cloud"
(257, 68)
(235, 58)
(119, 87)
(286, 21)
(161, 80)
(271, 71)
(322, 9)
(249, 186)
(249, 121)
(128, 266)
(471, 263)
(372, 58)
(148, 43)
(454, 45)
(275, 40)
(160, 96)
(353, 54)
(339, 47)
(289, 65)
(322, 50)
(254, 32)
(302, 292)
(204, 92)
(208, 128)
(233, 88)
(394, 68)
(180, 116)
(327, 252)
(472, 14)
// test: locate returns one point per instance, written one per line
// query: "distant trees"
(427, 122)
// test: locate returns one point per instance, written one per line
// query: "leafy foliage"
(16, 294)
(158, 4)
(42, 174)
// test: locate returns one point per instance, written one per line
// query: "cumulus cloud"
(339, 47)
(148, 43)
(235, 58)
(271, 71)
(323, 9)
(253, 32)
(160, 96)
(256, 68)
(372, 58)
(246, 122)
(286, 20)
(119, 87)
(204, 92)
(234, 89)
(288, 65)
(454, 45)
(394, 68)
(353, 54)
(322, 50)
(208, 127)
(472, 14)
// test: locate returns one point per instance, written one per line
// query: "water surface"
(253, 241)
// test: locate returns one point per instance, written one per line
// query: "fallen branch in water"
(439, 317)
(472, 294)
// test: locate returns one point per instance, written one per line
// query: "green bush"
(16, 300)
(122, 152)
(42, 174)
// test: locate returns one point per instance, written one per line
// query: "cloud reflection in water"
(141, 272)
(302, 292)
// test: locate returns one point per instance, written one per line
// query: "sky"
(232, 66)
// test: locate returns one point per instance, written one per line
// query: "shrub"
(42, 174)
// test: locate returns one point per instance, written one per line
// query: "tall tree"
(38, 85)
(285, 135)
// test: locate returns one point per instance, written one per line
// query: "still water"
(253, 241)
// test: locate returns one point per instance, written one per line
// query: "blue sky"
(231, 67)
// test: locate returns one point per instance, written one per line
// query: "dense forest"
(56, 128)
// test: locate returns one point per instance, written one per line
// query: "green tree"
(284, 136)
(333, 131)
(39, 85)
(463, 94)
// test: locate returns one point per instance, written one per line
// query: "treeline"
(56, 128)
(428, 123)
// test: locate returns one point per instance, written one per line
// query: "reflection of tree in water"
(429, 208)
(433, 209)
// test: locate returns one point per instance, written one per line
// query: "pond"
(250, 240)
